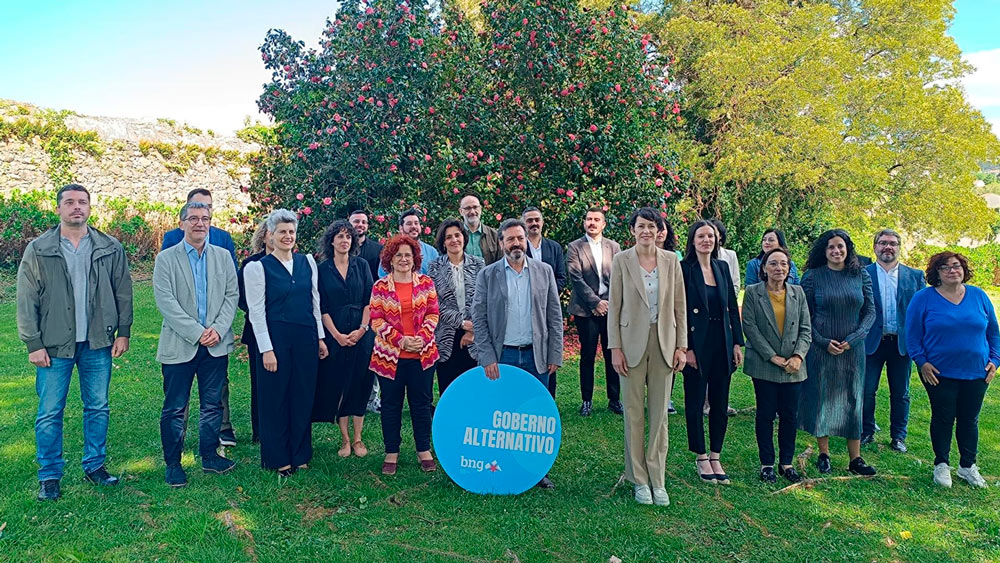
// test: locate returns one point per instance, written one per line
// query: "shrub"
(23, 216)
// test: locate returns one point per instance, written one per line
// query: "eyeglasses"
(468, 208)
(196, 220)
(952, 268)
(889, 243)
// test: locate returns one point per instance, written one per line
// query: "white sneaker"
(942, 475)
(642, 494)
(971, 474)
(660, 497)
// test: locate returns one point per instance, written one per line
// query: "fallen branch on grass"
(810, 483)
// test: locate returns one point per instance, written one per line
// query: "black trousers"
(782, 399)
(417, 385)
(897, 373)
(177, 381)
(252, 353)
(713, 374)
(458, 363)
(552, 386)
(590, 329)
(956, 402)
(286, 396)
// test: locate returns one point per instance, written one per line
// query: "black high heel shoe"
(705, 477)
(720, 478)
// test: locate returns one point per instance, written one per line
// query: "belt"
(519, 348)
(890, 337)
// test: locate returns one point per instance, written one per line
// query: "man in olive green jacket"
(74, 308)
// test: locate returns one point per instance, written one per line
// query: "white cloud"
(983, 85)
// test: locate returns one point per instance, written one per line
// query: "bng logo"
(480, 465)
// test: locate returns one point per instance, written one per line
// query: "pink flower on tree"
(300, 196)
(593, 128)
(327, 200)
(307, 210)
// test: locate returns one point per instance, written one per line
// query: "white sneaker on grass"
(643, 495)
(942, 474)
(660, 497)
(971, 474)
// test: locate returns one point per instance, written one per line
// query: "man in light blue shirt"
(196, 258)
(893, 286)
(518, 331)
(409, 224)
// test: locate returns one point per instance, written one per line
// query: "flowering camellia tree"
(535, 103)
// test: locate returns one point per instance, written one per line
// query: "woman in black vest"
(283, 297)
(715, 336)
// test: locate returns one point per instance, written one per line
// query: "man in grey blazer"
(588, 260)
(516, 314)
(196, 291)
(893, 286)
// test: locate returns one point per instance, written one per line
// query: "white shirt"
(536, 251)
(887, 285)
(253, 279)
(597, 250)
(652, 282)
(729, 257)
(458, 280)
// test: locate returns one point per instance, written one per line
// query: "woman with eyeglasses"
(953, 337)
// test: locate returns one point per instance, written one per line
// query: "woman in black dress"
(344, 382)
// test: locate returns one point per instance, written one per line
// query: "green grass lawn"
(345, 510)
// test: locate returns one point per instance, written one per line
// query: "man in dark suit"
(548, 251)
(893, 285)
(368, 248)
(588, 260)
(220, 238)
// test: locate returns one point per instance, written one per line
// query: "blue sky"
(197, 61)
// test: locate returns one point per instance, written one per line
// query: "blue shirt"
(518, 332)
(200, 272)
(888, 282)
(216, 237)
(752, 274)
(427, 255)
(959, 340)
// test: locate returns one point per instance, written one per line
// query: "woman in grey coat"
(842, 309)
(778, 330)
(454, 273)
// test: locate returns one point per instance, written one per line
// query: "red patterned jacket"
(388, 325)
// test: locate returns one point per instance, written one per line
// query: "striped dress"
(842, 308)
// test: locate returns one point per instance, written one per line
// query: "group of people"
(373, 318)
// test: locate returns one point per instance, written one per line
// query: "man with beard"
(516, 314)
(548, 251)
(74, 308)
(588, 260)
(893, 286)
(483, 241)
(368, 248)
(409, 224)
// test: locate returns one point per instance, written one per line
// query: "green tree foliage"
(808, 114)
(530, 103)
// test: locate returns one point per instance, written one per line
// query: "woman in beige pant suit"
(647, 334)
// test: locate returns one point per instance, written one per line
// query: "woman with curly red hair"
(953, 336)
(404, 315)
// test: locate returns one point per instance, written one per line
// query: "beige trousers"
(646, 465)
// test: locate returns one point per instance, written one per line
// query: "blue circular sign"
(496, 437)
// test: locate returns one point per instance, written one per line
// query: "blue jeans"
(524, 359)
(897, 373)
(52, 386)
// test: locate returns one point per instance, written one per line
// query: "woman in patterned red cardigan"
(404, 314)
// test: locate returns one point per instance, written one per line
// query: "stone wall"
(130, 165)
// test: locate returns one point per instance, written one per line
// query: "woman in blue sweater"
(953, 336)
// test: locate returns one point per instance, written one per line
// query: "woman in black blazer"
(715, 337)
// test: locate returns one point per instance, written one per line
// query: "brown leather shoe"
(428, 465)
(389, 467)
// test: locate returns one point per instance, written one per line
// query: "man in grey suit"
(516, 314)
(196, 291)
(588, 260)
(893, 286)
